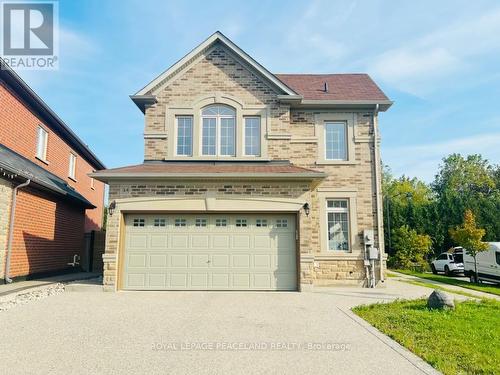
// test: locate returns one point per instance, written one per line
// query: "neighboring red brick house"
(60, 203)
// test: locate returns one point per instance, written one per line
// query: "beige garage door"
(210, 252)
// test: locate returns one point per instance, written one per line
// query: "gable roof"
(17, 165)
(46, 114)
(340, 86)
(207, 43)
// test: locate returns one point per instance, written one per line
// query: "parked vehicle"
(488, 264)
(451, 262)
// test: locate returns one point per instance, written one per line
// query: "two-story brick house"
(47, 199)
(251, 180)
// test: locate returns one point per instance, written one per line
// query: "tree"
(469, 236)
(410, 248)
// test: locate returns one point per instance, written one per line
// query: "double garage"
(209, 251)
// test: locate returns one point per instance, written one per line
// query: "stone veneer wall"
(5, 205)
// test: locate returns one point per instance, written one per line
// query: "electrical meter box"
(368, 237)
(373, 253)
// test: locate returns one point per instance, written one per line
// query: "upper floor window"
(92, 182)
(252, 136)
(335, 141)
(41, 145)
(218, 131)
(184, 135)
(72, 166)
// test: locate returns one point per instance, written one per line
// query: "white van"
(488, 264)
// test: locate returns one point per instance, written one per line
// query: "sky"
(439, 61)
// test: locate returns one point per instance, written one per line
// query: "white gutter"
(378, 191)
(11, 229)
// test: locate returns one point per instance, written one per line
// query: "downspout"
(11, 228)
(378, 193)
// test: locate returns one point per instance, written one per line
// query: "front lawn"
(492, 289)
(461, 341)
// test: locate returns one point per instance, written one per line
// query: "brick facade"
(48, 229)
(47, 233)
(292, 134)
(19, 133)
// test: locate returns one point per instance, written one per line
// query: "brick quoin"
(18, 131)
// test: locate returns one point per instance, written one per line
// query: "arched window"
(218, 130)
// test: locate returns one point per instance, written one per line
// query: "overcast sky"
(438, 60)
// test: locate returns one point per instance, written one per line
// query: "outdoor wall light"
(307, 209)
(111, 208)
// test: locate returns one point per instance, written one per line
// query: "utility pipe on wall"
(378, 190)
(11, 228)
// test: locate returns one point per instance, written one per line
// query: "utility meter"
(373, 253)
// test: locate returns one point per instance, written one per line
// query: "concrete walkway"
(20, 286)
(402, 276)
(205, 332)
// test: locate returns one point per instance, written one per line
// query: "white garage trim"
(210, 203)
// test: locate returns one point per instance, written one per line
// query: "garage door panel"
(220, 260)
(179, 260)
(240, 261)
(262, 260)
(137, 260)
(180, 241)
(157, 280)
(220, 241)
(220, 281)
(157, 260)
(200, 241)
(200, 260)
(138, 241)
(241, 241)
(199, 280)
(262, 281)
(241, 280)
(159, 241)
(203, 252)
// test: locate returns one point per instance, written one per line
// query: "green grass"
(492, 289)
(461, 341)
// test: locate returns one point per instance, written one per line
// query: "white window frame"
(176, 139)
(345, 143)
(92, 182)
(72, 166)
(42, 143)
(218, 125)
(339, 210)
(245, 118)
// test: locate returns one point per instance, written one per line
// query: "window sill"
(72, 178)
(337, 162)
(42, 160)
(342, 255)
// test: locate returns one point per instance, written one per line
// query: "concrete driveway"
(200, 332)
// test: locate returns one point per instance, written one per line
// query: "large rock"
(440, 300)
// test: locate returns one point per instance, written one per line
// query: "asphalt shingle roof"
(16, 164)
(340, 86)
